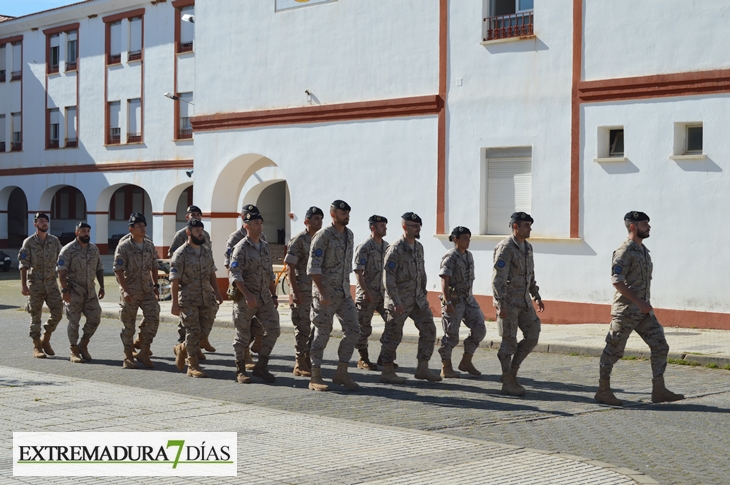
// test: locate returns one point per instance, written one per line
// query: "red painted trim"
(103, 248)
(384, 108)
(164, 213)
(100, 167)
(441, 151)
(221, 215)
(575, 119)
(656, 86)
(10, 40)
(97, 213)
(182, 3)
(124, 15)
(162, 251)
(62, 28)
(141, 86)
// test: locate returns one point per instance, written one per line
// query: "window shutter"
(135, 34)
(509, 189)
(115, 32)
(71, 123)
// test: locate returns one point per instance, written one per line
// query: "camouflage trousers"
(52, 297)
(651, 332)
(301, 318)
(472, 317)
(322, 317)
(243, 316)
(365, 312)
(524, 319)
(86, 304)
(393, 333)
(197, 320)
(150, 319)
(181, 327)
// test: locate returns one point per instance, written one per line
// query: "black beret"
(341, 204)
(374, 219)
(458, 231)
(194, 223)
(252, 216)
(137, 217)
(314, 211)
(249, 208)
(193, 208)
(40, 215)
(82, 224)
(636, 216)
(520, 217)
(412, 217)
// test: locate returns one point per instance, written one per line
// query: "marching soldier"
(631, 270)
(252, 273)
(404, 278)
(194, 295)
(458, 303)
(78, 264)
(300, 284)
(513, 285)
(330, 265)
(370, 292)
(135, 266)
(37, 258)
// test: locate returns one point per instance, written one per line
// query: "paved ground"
(679, 443)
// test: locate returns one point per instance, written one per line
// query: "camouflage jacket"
(513, 278)
(81, 265)
(460, 270)
(331, 256)
(181, 238)
(631, 264)
(369, 259)
(231, 242)
(40, 259)
(297, 254)
(193, 273)
(404, 275)
(137, 264)
(253, 267)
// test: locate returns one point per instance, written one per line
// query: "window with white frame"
(506, 187)
(17, 129)
(508, 18)
(71, 127)
(115, 130)
(186, 111)
(134, 121)
(3, 141)
(17, 72)
(2, 63)
(115, 43)
(72, 50)
(688, 140)
(187, 30)
(54, 53)
(135, 39)
(53, 127)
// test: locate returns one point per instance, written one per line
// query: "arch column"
(3, 229)
(164, 229)
(220, 225)
(99, 222)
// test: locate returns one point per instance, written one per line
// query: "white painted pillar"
(99, 222)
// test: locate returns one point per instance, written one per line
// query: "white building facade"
(575, 111)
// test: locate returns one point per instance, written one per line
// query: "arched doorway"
(68, 207)
(126, 200)
(14, 209)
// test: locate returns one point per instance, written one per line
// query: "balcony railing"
(115, 136)
(53, 143)
(134, 137)
(2, 76)
(134, 56)
(115, 58)
(513, 25)
(70, 66)
(185, 46)
(52, 69)
(16, 146)
(16, 75)
(186, 129)
(2, 146)
(71, 143)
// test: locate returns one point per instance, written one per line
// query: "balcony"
(185, 46)
(2, 76)
(508, 26)
(115, 59)
(16, 146)
(134, 137)
(53, 143)
(134, 56)
(71, 143)
(71, 66)
(2, 146)
(16, 75)
(53, 69)
(115, 136)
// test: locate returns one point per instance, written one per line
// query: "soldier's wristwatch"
(157, 286)
(64, 290)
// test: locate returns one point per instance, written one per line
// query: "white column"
(99, 222)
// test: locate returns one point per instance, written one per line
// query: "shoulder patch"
(234, 264)
(318, 252)
(228, 253)
(120, 261)
(617, 269)
(60, 262)
(363, 260)
(23, 255)
(173, 270)
(391, 264)
(501, 264)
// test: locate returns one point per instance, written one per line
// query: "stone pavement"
(272, 443)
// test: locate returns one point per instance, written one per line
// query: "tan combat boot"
(38, 349)
(205, 345)
(605, 394)
(181, 354)
(423, 372)
(144, 356)
(300, 367)
(261, 370)
(75, 356)
(200, 355)
(46, 341)
(194, 369)
(447, 371)
(388, 375)
(241, 376)
(659, 393)
(137, 342)
(129, 360)
(467, 366)
(513, 370)
(248, 360)
(258, 341)
(364, 361)
(84, 350)
(509, 387)
(342, 377)
(316, 383)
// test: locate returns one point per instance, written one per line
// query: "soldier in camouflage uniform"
(513, 284)
(181, 238)
(192, 275)
(257, 330)
(135, 265)
(631, 270)
(330, 265)
(252, 273)
(404, 278)
(78, 264)
(37, 258)
(458, 303)
(300, 285)
(370, 295)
